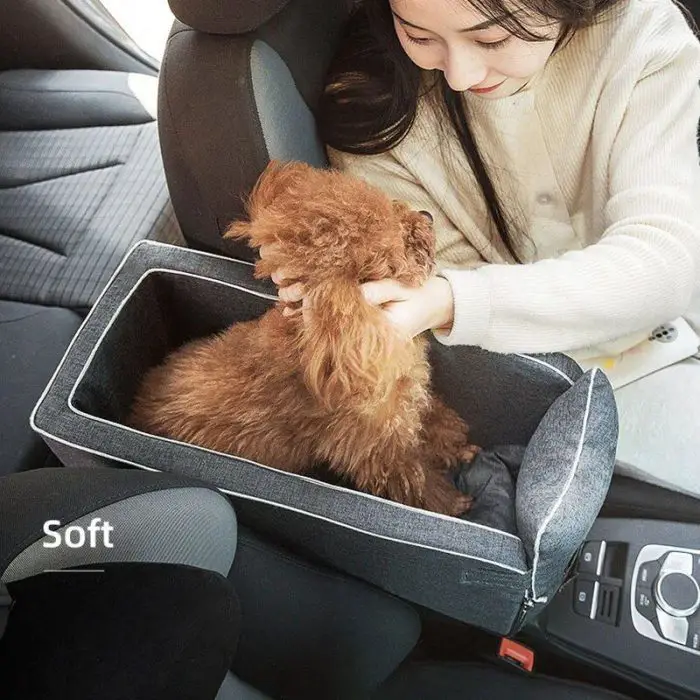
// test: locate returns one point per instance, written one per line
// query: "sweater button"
(544, 198)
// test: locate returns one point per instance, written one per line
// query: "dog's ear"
(276, 180)
(419, 241)
(349, 350)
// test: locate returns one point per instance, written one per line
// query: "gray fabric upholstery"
(192, 526)
(32, 341)
(288, 127)
(72, 203)
(74, 200)
(526, 389)
(36, 99)
(234, 688)
(237, 101)
(73, 493)
(564, 477)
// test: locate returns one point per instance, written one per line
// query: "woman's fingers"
(376, 293)
(383, 291)
(292, 293)
(281, 274)
(268, 249)
(291, 311)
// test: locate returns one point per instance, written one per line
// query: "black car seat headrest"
(226, 16)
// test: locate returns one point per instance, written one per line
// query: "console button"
(677, 593)
(590, 556)
(678, 561)
(675, 629)
(648, 573)
(608, 604)
(584, 597)
(694, 633)
(644, 603)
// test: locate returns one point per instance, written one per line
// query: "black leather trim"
(224, 16)
(456, 680)
(629, 498)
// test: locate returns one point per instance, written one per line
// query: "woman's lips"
(481, 91)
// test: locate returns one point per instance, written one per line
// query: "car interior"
(103, 147)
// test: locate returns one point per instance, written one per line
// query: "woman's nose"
(464, 69)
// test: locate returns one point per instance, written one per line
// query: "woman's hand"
(412, 310)
(290, 291)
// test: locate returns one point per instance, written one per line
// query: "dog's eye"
(427, 215)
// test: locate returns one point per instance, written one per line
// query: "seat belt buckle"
(517, 655)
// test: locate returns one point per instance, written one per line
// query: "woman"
(554, 144)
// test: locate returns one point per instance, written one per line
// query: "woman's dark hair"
(373, 88)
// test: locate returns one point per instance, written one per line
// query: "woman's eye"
(418, 40)
(491, 45)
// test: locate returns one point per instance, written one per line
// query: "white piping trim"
(316, 482)
(601, 558)
(554, 369)
(567, 486)
(123, 262)
(120, 426)
(301, 477)
(73, 408)
(594, 601)
(216, 256)
(303, 512)
(127, 299)
(464, 523)
(382, 537)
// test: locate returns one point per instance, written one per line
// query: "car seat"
(81, 180)
(304, 632)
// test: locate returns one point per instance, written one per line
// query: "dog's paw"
(468, 453)
(453, 456)
(442, 496)
(446, 438)
(461, 505)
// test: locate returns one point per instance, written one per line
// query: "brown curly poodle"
(338, 385)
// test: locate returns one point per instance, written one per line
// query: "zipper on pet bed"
(525, 607)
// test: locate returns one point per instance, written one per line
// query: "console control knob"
(677, 593)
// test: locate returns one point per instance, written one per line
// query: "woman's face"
(472, 51)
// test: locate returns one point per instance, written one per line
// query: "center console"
(633, 606)
(666, 585)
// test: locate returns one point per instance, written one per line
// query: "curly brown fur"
(338, 385)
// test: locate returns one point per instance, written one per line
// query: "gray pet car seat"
(163, 296)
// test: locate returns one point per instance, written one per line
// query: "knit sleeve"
(643, 269)
(386, 173)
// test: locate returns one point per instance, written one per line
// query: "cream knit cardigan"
(598, 160)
